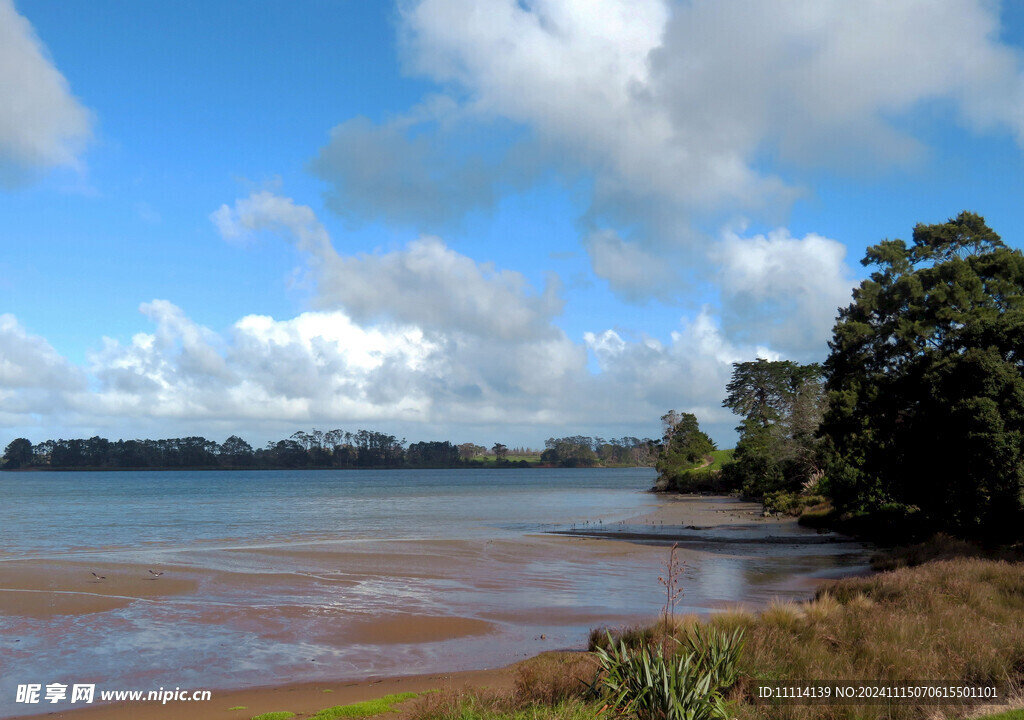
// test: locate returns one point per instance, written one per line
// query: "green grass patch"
(488, 706)
(278, 715)
(795, 504)
(367, 708)
(1008, 715)
(721, 457)
(238, 707)
(706, 479)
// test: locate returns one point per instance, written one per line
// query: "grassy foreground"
(949, 622)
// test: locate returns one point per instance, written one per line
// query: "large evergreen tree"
(926, 391)
(780, 403)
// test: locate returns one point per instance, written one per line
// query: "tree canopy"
(780, 404)
(925, 384)
(685, 447)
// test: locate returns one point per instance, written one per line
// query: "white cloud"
(678, 99)
(426, 284)
(630, 268)
(324, 369)
(266, 211)
(35, 380)
(683, 114)
(457, 341)
(321, 367)
(825, 83)
(41, 124)
(312, 367)
(688, 374)
(783, 291)
(30, 362)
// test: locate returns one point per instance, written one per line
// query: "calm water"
(51, 514)
(303, 575)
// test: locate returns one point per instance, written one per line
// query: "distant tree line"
(315, 449)
(583, 451)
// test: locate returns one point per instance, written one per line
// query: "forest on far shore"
(320, 450)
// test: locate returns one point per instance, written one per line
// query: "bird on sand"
(99, 577)
(155, 574)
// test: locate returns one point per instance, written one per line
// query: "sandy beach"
(495, 601)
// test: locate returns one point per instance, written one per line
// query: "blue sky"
(452, 219)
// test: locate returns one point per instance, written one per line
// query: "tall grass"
(956, 622)
(552, 686)
(948, 622)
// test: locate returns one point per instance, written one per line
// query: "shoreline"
(726, 530)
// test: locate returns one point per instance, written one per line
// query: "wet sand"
(503, 598)
(37, 589)
(708, 520)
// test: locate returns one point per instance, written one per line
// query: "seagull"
(99, 577)
(155, 574)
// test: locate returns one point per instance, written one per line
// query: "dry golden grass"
(950, 622)
(553, 685)
(955, 622)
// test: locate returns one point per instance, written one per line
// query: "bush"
(655, 687)
(790, 503)
(657, 676)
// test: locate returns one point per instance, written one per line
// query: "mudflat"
(405, 613)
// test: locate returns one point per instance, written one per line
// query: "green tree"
(765, 392)
(685, 448)
(500, 452)
(18, 453)
(781, 404)
(572, 451)
(236, 452)
(926, 414)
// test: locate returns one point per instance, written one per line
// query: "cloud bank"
(421, 337)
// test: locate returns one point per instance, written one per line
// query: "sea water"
(54, 513)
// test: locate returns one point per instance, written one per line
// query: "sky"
(470, 220)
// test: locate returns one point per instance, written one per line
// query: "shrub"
(656, 687)
(665, 678)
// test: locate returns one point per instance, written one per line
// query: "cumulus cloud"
(678, 100)
(781, 290)
(689, 373)
(426, 283)
(35, 380)
(683, 115)
(825, 83)
(314, 366)
(29, 361)
(322, 368)
(427, 333)
(42, 125)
